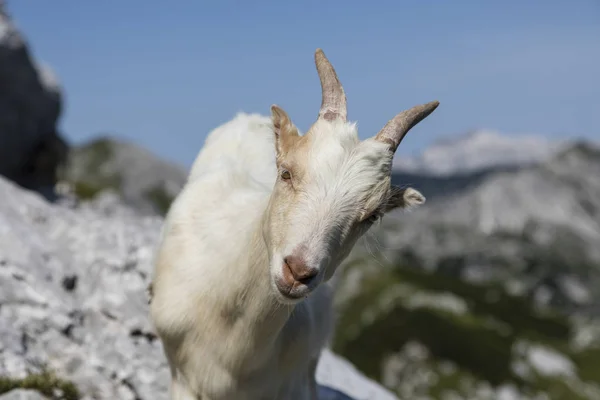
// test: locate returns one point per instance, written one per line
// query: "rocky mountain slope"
(477, 150)
(30, 104)
(73, 304)
(142, 180)
(431, 336)
(540, 224)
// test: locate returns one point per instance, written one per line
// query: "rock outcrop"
(30, 105)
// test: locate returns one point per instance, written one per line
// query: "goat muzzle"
(296, 277)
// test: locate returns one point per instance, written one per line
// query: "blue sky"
(164, 74)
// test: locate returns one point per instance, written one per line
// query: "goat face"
(330, 189)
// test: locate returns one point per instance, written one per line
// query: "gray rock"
(73, 299)
(73, 295)
(22, 394)
(30, 104)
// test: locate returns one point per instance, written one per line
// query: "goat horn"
(333, 102)
(394, 131)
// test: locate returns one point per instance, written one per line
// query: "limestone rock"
(22, 394)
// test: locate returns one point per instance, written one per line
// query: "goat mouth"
(293, 297)
(292, 293)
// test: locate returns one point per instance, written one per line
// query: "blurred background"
(489, 291)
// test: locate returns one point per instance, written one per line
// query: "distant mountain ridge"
(515, 217)
(479, 150)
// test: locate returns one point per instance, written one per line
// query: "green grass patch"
(45, 383)
(588, 363)
(461, 339)
(85, 170)
(96, 153)
(491, 300)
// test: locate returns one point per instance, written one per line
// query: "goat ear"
(283, 128)
(404, 198)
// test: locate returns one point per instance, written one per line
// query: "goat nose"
(298, 270)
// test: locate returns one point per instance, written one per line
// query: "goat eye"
(373, 217)
(285, 175)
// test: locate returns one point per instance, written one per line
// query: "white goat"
(241, 289)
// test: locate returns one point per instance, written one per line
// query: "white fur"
(226, 330)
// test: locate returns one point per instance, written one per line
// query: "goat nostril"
(308, 277)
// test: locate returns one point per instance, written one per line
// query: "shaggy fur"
(257, 193)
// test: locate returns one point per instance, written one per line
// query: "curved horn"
(333, 102)
(394, 131)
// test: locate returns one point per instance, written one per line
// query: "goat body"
(242, 297)
(225, 335)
